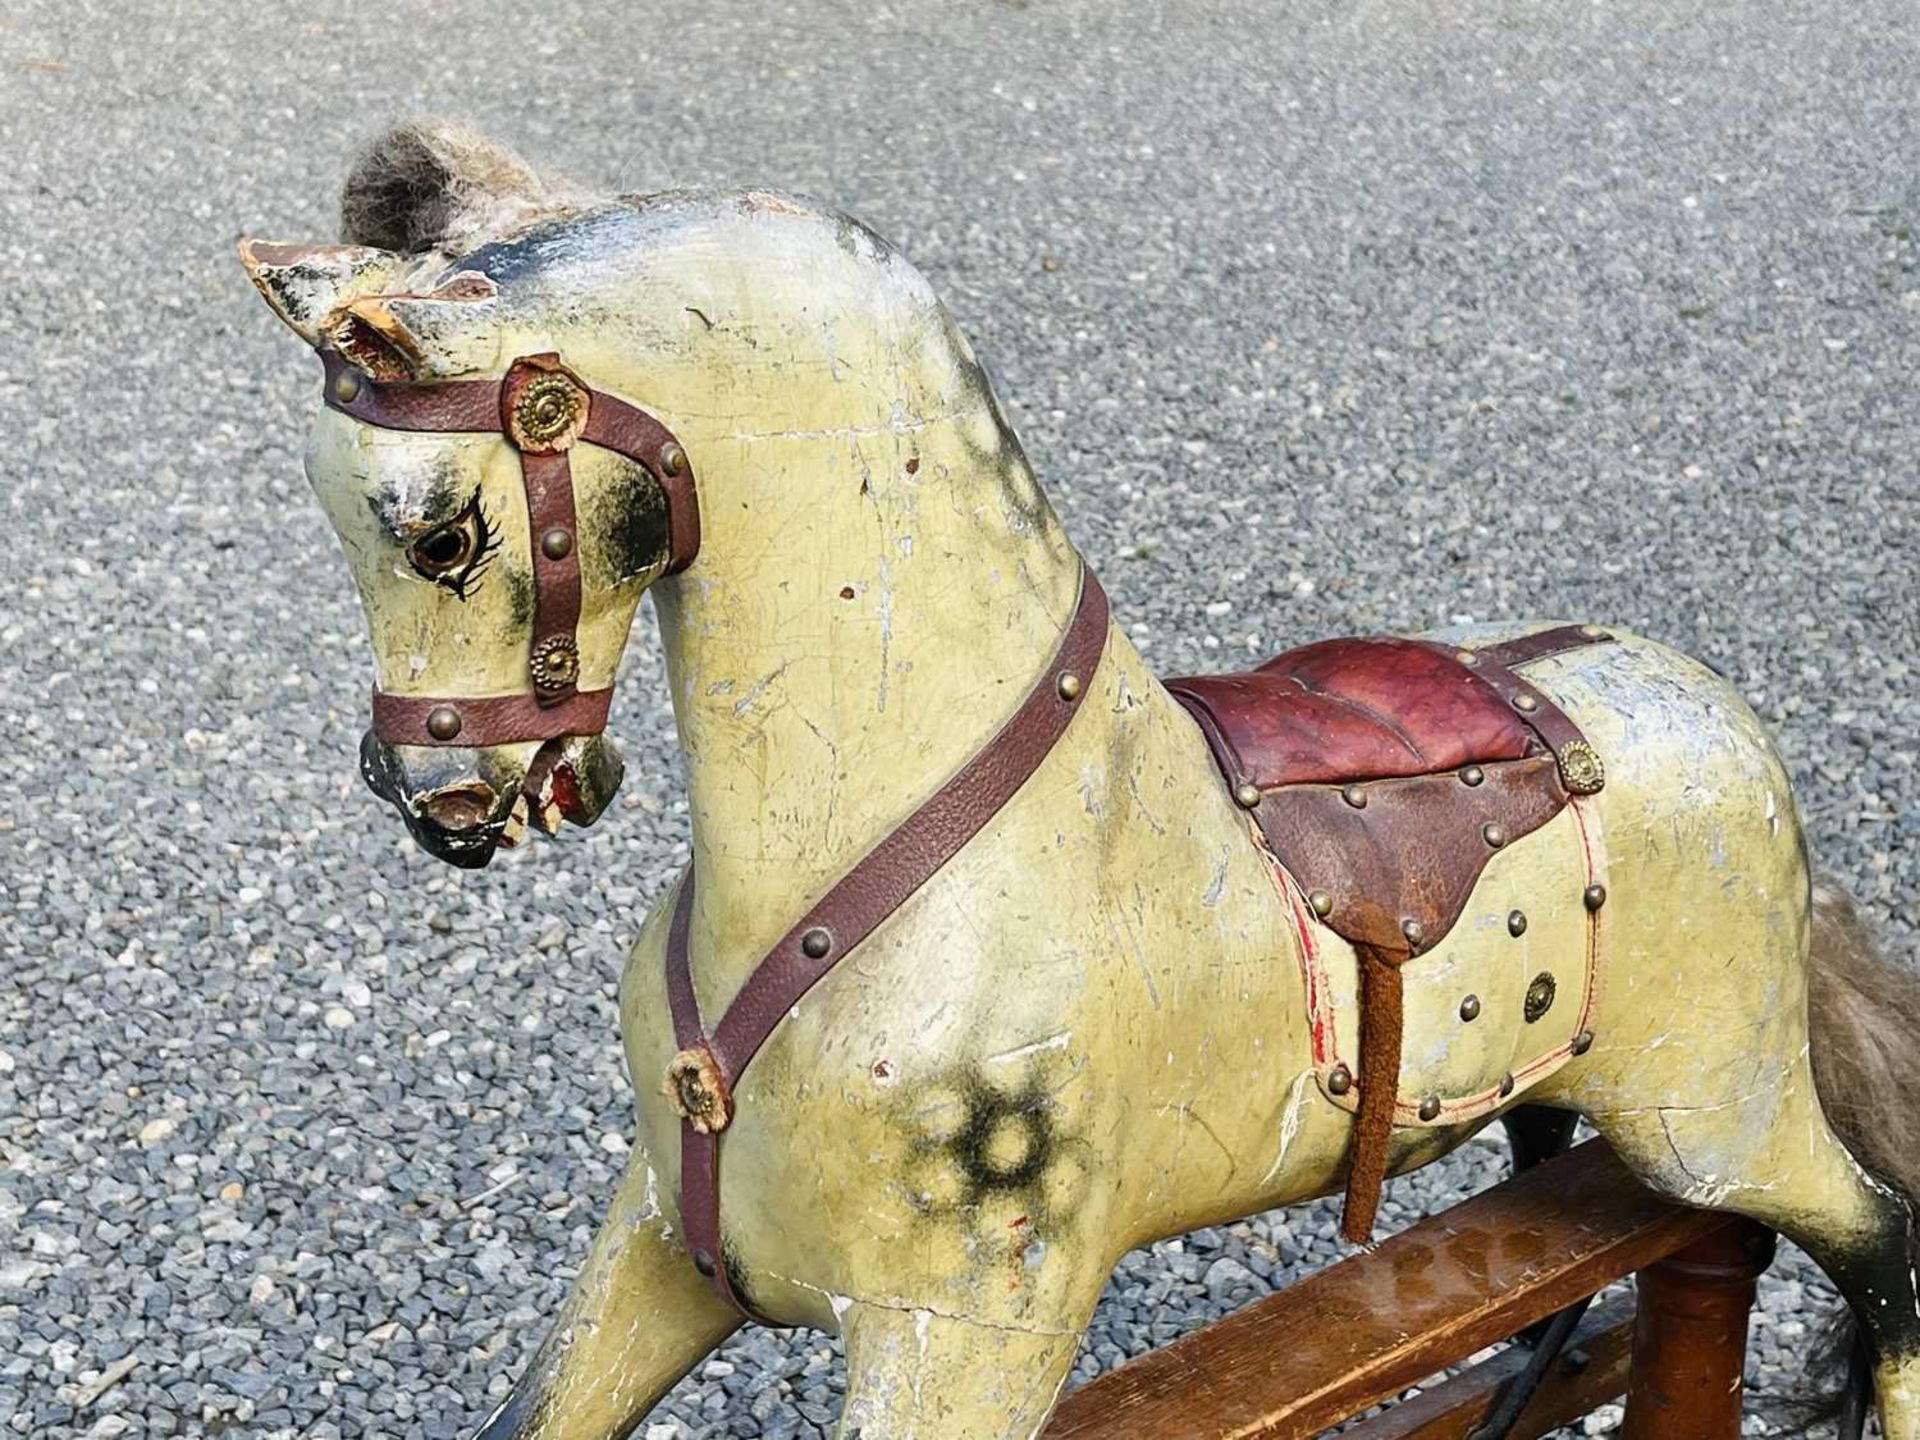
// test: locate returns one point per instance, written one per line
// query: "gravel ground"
(1318, 319)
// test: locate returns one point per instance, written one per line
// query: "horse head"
(534, 402)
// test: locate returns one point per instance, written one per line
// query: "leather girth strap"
(703, 1075)
(1380, 957)
(1383, 1026)
(542, 409)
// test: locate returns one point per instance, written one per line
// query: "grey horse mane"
(434, 186)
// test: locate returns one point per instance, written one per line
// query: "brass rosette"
(556, 663)
(1540, 997)
(546, 411)
(699, 1091)
(1581, 770)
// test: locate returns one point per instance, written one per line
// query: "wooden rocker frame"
(1359, 1332)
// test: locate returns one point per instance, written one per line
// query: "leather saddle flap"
(1496, 1006)
(1397, 873)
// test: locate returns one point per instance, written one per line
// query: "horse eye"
(443, 551)
(453, 555)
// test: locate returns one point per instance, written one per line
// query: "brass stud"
(1470, 1009)
(1593, 632)
(673, 460)
(557, 543)
(1583, 1042)
(1321, 902)
(1246, 795)
(816, 943)
(1430, 1108)
(1506, 1084)
(1472, 775)
(1525, 703)
(1594, 896)
(1339, 1080)
(1494, 835)
(1516, 923)
(1467, 657)
(346, 386)
(443, 722)
(1356, 796)
(1414, 931)
(1069, 687)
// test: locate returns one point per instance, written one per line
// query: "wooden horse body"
(1113, 1014)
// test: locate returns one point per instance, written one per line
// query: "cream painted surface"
(1090, 1028)
(1543, 877)
(637, 1318)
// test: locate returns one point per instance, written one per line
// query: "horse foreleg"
(638, 1318)
(917, 1375)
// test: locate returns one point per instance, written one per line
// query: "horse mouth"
(570, 780)
(461, 805)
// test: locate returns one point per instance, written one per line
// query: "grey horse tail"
(1864, 1014)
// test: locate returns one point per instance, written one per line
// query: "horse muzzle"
(461, 804)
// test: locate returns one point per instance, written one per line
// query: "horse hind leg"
(1834, 1165)
(1803, 1182)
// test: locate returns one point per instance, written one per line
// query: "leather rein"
(542, 409)
(701, 1080)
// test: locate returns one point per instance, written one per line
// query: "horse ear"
(334, 295)
(307, 284)
(448, 331)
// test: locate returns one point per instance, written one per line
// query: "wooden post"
(1690, 1337)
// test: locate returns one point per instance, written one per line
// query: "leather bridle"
(542, 409)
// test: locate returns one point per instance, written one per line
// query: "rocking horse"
(996, 955)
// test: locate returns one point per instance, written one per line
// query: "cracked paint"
(953, 1216)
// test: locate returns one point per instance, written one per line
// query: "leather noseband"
(542, 409)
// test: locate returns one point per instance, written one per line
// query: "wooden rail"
(1345, 1338)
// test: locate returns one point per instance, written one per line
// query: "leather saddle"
(1383, 774)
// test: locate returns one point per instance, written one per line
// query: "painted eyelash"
(486, 540)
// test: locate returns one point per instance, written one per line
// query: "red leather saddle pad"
(1384, 771)
(1356, 709)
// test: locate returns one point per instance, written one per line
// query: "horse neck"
(866, 610)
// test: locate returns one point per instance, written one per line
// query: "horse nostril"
(458, 807)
